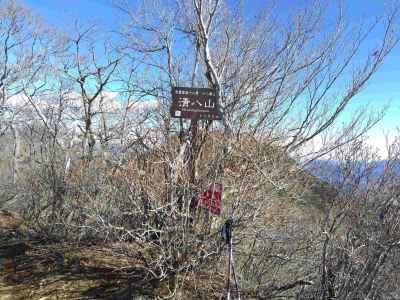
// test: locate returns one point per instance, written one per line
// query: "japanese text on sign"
(195, 103)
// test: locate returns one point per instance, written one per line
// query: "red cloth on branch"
(211, 198)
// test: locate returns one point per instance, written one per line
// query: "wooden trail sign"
(195, 104)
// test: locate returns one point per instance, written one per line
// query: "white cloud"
(17, 101)
(106, 102)
(145, 105)
(380, 138)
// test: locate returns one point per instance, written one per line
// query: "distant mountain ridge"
(335, 172)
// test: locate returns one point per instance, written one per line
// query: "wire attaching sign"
(195, 103)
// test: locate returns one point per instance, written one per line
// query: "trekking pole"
(227, 234)
(234, 273)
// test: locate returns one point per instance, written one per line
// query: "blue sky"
(382, 88)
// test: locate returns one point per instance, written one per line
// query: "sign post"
(194, 104)
(193, 149)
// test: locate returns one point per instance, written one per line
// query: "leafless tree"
(25, 46)
(92, 77)
(280, 90)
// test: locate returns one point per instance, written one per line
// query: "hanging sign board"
(195, 103)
